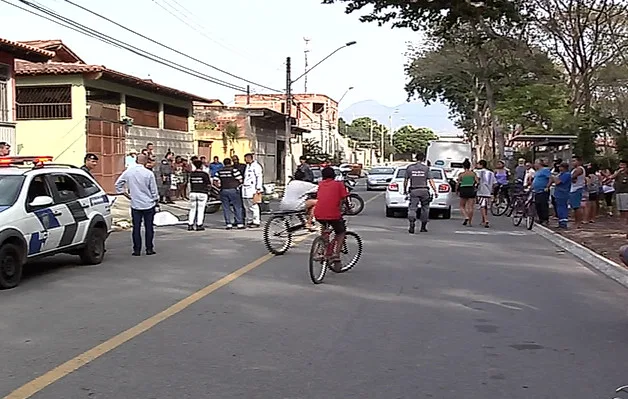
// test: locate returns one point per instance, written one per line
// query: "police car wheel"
(10, 266)
(94, 250)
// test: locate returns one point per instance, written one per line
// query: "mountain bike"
(523, 208)
(501, 202)
(322, 252)
(280, 228)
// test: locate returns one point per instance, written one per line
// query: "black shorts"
(467, 192)
(339, 226)
(594, 196)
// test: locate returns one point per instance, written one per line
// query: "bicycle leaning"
(322, 253)
(523, 207)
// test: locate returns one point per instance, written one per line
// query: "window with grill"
(4, 93)
(44, 102)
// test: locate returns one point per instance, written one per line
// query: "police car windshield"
(434, 174)
(10, 187)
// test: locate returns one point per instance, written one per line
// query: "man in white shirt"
(530, 172)
(252, 190)
(484, 195)
(142, 187)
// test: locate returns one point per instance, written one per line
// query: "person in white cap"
(130, 159)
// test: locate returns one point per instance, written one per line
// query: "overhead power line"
(173, 49)
(77, 27)
(191, 20)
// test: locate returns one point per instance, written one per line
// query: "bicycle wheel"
(353, 205)
(530, 213)
(517, 215)
(318, 261)
(351, 251)
(499, 207)
(277, 235)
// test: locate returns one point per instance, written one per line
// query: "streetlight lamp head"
(350, 43)
(351, 88)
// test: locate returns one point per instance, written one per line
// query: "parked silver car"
(396, 199)
(379, 177)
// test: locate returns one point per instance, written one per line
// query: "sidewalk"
(604, 237)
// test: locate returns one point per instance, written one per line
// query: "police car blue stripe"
(35, 244)
(47, 219)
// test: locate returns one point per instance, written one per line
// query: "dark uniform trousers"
(419, 196)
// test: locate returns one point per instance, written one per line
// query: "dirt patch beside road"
(605, 236)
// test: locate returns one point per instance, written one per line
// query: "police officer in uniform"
(416, 187)
(165, 181)
(89, 163)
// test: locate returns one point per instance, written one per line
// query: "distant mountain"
(435, 116)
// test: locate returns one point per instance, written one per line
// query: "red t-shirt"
(329, 198)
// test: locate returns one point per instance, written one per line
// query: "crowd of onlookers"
(237, 185)
(584, 189)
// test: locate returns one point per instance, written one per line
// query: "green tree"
(410, 140)
(443, 14)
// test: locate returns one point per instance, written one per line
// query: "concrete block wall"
(181, 143)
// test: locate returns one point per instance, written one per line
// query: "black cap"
(91, 157)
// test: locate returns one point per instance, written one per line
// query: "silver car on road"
(396, 199)
(379, 177)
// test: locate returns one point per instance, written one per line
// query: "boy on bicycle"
(331, 194)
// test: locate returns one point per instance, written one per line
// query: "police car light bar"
(24, 160)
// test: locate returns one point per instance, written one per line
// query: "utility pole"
(391, 137)
(320, 123)
(288, 160)
(371, 144)
(248, 94)
(307, 50)
(381, 144)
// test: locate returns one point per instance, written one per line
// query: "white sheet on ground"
(295, 195)
(165, 218)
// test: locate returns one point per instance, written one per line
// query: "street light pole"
(391, 137)
(345, 93)
(288, 107)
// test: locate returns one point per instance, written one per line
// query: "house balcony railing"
(7, 133)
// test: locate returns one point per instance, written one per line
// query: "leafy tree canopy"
(410, 140)
(417, 14)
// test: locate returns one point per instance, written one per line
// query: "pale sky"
(249, 38)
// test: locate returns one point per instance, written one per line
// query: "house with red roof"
(9, 52)
(66, 107)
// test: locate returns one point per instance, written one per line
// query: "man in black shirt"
(230, 181)
(304, 172)
(89, 163)
(199, 189)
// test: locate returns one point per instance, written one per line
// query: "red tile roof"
(62, 52)
(24, 68)
(25, 51)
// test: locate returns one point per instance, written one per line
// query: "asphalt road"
(455, 313)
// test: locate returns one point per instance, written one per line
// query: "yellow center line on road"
(34, 386)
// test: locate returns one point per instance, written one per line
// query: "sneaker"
(151, 252)
(411, 228)
(240, 227)
(336, 266)
(229, 227)
(200, 228)
(423, 227)
(190, 227)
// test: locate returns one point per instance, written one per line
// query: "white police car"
(46, 209)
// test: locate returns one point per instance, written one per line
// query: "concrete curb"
(605, 266)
